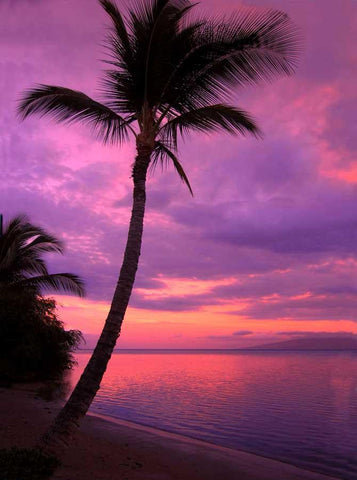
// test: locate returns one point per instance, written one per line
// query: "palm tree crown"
(171, 74)
(22, 267)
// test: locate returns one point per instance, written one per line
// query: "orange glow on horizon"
(191, 329)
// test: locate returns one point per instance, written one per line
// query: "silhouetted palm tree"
(22, 267)
(169, 74)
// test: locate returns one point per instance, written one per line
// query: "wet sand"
(107, 449)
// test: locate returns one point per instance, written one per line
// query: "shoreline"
(195, 441)
(107, 448)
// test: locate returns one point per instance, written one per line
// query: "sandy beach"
(120, 450)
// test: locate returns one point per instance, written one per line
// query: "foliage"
(171, 73)
(22, 246)
(26, 464)
(33, 343)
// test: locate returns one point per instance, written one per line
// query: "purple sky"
(268, 244)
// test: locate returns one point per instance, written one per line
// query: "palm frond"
(152, 26)
(166, 17)
(28, 264)
(21, 248)
(44, 243)
(66, 105)
(148, 16)
(252, 46)
(207, 119)
(18, 232)
(163, 154)
(255, 45)
(121, 38)
(65, 282)
(22, 245)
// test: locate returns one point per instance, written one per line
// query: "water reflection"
(300, 407)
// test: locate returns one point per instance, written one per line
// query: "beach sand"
(120, 450)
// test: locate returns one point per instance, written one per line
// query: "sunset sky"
(267, 248)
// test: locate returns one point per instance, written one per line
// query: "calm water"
(295, 406)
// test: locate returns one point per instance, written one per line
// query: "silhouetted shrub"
(33, 342)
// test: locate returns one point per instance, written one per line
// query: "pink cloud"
(277, 216)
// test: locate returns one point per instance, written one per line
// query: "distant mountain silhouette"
(312, 343)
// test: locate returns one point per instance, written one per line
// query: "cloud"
(243, 333)
(277, 216)
(314, 308)
(303, 333)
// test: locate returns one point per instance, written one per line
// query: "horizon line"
(231, 349)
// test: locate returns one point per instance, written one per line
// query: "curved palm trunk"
(57, 438)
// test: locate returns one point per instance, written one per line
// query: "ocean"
(298, 407)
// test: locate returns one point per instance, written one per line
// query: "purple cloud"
(274, 214)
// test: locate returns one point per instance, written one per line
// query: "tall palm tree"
(169, 73)
(22, 267)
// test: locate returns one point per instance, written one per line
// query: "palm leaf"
(121, 39)
(21, 265)
(139, 80)
(22, 245)
(164, 154)
(163, 18)
(207, 119)
(252, 46)
(44, 243)
(255, 45)
(28, 264)
(66, 105)
(66, 282)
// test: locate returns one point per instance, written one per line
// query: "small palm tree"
(22, 267)
(169, 74)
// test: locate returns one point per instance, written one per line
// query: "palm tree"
(169, 74)
(22, 267)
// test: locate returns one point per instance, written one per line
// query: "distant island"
(317, 342)
(312, 343)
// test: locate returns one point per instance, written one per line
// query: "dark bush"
(33, 342)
